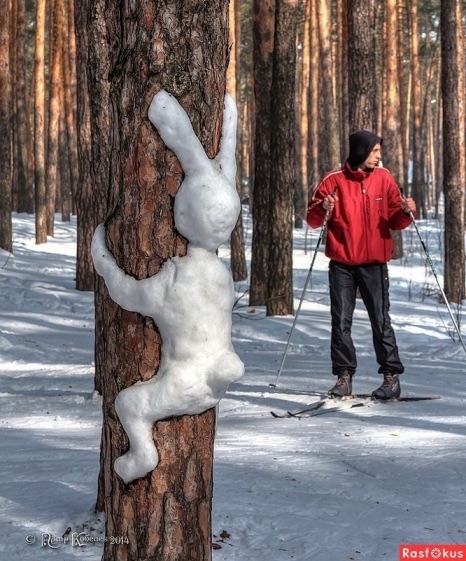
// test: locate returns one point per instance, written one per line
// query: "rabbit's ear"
(175, 129)
(226, 156)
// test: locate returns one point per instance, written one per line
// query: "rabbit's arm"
(126, 291)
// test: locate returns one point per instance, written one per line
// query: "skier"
(363, 203)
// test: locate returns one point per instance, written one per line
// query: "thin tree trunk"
(263, 35)
(282, 161)
(392, 146)
(239, 268)
(342, 96)
(39, 124)
(55, 112)
(329, 147)
(6, 235)
(23, 136)
(314, 167)
(418, 187)
(362, 86)
(84, 197)
(69, 112)
(453, 149)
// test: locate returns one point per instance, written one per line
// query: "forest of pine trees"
(337, 65)
(76, 80)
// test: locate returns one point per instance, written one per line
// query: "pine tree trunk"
(239, 268)
(314, 166)
(69, 85)
(418, 187)
(329, 145)
(282, 161)
(93, 201)
(86, 215)
(23, 136)
(55, 112)
(180, 46)
(6, 239)
(39, 125)
(392, 146)
(453, 148)
(342, 85)
(362, 86)
(263, 36)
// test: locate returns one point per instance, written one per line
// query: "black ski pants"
(373, 284)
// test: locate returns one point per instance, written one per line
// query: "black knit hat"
(361, 144)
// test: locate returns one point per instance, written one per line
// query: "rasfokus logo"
(431, 552)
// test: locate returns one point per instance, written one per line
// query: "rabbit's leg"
(142, 456)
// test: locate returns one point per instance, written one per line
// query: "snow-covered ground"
(351, 485)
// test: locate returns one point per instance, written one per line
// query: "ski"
(331, 405)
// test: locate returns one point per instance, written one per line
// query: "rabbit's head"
(207, 204)
(206, 210)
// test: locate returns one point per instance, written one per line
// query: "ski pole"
(308, 278)
(455, 325)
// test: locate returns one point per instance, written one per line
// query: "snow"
(344, 486)
(190, 299)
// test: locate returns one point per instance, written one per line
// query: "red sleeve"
(315, 211)
(398, 219)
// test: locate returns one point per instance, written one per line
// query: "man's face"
(373, 159)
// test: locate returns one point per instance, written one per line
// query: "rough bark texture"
(391, 130)
(136, 50)
(283, 162)
(68, 189)
(329, 147)
(263, 35)
(453, 147)
(314, 167)
(6, 240)
(239, 268)
(418, 190)
(362, 88)
(55, 111)
(86, 214)
(39, 125)
(23, 136)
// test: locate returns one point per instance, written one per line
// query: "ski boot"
(343, 386)
(390, 388)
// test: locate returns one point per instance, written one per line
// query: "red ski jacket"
(368, 207)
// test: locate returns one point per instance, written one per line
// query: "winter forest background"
(76, 80)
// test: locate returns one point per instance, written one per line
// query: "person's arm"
(323, 199)
(399, 208)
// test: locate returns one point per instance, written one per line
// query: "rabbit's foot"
(131, 465)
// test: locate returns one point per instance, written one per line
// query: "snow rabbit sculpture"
(190, 298)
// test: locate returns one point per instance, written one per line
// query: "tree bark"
(392, 145)
(39, 125)
(329, 145)
(239, 268)
(87, 217)
(180, 46)
(263, 35)
(302, 116)
(6, 235)
(282, 161)
(23, 136)
(453, 148)
(362, 87)
(55, 112)
(418, 186)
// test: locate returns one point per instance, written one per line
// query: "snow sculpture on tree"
(190, 298)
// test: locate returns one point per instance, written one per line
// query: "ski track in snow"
(351, 485)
